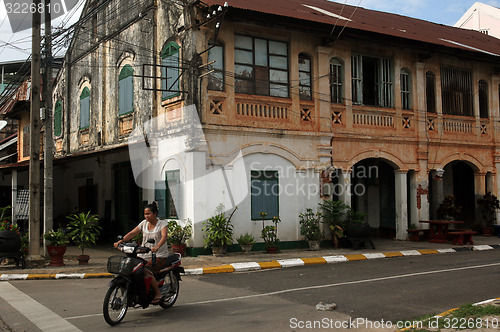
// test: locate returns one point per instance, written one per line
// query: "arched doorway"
(373, 192)
(458, 180)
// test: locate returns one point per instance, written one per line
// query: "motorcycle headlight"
(128, 250)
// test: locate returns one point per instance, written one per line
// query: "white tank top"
(156, 235)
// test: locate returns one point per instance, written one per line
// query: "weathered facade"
(311, 97)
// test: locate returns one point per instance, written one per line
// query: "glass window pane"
(241, 56)
(280, 62)
(278, 76)
(216, 54)
(242, 70)
(261, 52)
(305, 78)
(278, 90)
(277, 48)
(305, 92)
(243, 42)
(304, 64)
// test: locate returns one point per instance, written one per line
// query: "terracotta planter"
(272, 249)
(56, 254)
(83, 259)
(178, 248)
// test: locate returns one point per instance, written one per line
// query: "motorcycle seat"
(170, 260)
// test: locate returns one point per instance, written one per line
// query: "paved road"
(388, 289)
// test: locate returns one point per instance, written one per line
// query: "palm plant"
(84, 229)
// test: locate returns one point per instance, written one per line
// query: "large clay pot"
(56, 254)
(10, 242)
(178, 248)
(83, 259)
(272, 249)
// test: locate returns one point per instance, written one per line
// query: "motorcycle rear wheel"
(170, 296)
(115, 305)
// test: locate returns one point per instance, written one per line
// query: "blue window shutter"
(84, 112)
(170, 74)
(126, 90)
(58, 119)
(264, 194)
(121, 97)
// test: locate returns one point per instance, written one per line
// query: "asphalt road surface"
(279, 300)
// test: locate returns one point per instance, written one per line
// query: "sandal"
(155, 300)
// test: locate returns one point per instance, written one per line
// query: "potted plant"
(270, 234)
(56, 246)
(449, 209)
(218, 231)
(83, 230)
(178, 236)
(357, 227)
(334, 216)
(309, 228)
(489, 206)
(246, 242)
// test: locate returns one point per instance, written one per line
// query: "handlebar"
(133, 248)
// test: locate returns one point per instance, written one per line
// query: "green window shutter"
(126, 91)
(170, 74)
(160, 198)
(264, 194)
(58, 119)
(85, 108)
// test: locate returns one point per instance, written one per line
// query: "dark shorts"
(160, 262)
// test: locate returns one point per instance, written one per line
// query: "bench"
(414, 234)
(462, 237)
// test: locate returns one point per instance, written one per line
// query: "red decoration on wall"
(421, 191)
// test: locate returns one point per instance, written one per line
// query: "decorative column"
(437, 190)
(401, 204)
(479, 191)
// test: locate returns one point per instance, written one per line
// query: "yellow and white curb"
(255, 266)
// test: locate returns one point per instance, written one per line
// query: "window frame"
(483, 95)
(305, 84)
(169, 55)
(405, 83)
(457, 91)
(268, 176)
(336, 81)
(126, 75)
(430, 92)
(383, 81)
(257, 84)
(84, 98)
(217, 70)
(164, 197)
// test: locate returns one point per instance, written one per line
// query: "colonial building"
(298, 101)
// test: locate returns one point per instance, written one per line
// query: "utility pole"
(34, 169)
(48, 181)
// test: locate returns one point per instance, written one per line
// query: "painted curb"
(447, 312)
(255, 266)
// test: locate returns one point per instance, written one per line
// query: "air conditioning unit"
(327, 189)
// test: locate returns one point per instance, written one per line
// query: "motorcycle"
(131, 287)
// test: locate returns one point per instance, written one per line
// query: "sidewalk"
(236, 262)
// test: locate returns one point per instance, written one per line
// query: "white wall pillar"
(345, 183)
(401, 204)
(479, 191)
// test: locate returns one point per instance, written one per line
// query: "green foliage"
(449, 209)
(5, 213)
(270, 232)
(56, 238)
(218, 229)
(356, 217)
(334, 213)
(246, 238)
(25, 244)
(309, 225)
(84, 229)
(489, 206)
(178, 234)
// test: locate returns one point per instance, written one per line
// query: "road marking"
(340, 284)
(44, 318)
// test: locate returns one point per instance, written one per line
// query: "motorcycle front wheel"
(170, 291)
(115, 305)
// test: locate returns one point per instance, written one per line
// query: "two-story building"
(298, 101)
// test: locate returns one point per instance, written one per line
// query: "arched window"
(126, 90)
(483, 99)
(305, 87)
(336, 75)
(85, 108)
(405, 89)
(58, 119)
(170, 73)
(430, 91)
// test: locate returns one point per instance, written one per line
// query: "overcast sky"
(17, 46)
